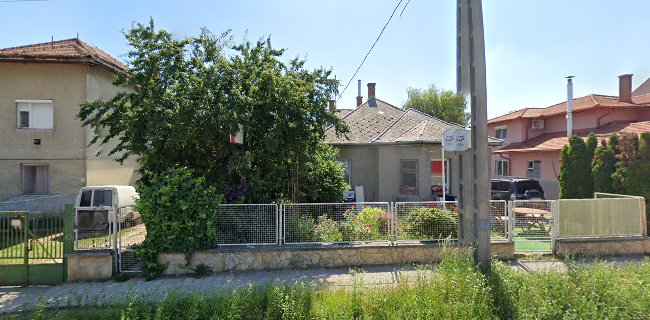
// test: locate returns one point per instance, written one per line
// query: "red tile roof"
(579, 104)
(70, 50)
(556, 140)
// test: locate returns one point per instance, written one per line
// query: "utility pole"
(471, 83)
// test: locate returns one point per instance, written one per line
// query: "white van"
(97, 205)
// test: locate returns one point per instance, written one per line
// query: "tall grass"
(454, 289)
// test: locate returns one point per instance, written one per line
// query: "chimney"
(569, 106)
(625, 88)
(332, 106)
(371, 90)
(359, 97)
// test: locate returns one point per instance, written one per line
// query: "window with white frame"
(501, 168)
(534, 169)
(408, 176)
(35, 114)
(502, 133)
(35, 179)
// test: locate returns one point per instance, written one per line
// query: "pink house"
(535, 136)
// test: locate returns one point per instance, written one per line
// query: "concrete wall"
(89, 266)
(603, 247)
(61, 147)
(363, 168)
(103, 169)
(270, 258)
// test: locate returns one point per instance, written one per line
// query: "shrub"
(602, 168)
(301, 228)
(431, 223)
(575, 177)
(179, 210)
(377, 219)
(353, 229)
(327, 230)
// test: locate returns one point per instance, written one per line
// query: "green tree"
(603, 166)
(575, 170)
(188, 96)
(443, 104)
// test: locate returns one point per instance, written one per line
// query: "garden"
(456, 289)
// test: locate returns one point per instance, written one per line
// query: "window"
(502, 133)
(86, 196)
(35, 114)
(103, 198)
(408, 176)
(500, 186)
(35, 179)
(501, 168)
(534, 169)
(346, 168)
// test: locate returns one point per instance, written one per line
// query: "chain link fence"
(337, 222)
(531, 224)
(426, 220)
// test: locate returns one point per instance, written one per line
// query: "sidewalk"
(73, 294)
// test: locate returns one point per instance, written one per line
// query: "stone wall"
(305, 256)
(603, 247)
(89, 266)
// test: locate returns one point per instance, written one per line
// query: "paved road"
(70, 294)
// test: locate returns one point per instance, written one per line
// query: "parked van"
(97, 206)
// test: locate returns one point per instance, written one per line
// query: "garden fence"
(130, 233)
(606, 216)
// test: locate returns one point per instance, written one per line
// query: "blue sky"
(530, 45)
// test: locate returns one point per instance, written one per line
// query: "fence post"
(644, 221)
(511, 221)
(555, 225)
(68, 236)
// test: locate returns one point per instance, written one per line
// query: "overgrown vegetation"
(455, 289)
(429, 223)
(180, 211)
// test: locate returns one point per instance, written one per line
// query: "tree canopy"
(443, 104)
(186, 97)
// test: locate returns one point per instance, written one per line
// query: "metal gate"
(32, 246)
(130, 233)
(532, 224)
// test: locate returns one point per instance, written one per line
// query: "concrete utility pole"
(475, 183)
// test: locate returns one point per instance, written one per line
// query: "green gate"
(32, 247)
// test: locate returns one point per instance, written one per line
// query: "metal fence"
(31, 238)
(130, 233)
(531, 224)
(94, 229)
(247, 224)
(499, 227)
(336, 222)
(426, 220)
(606, 216)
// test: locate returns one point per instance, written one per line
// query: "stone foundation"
(242, 258)
(603, 247)
(89, 265)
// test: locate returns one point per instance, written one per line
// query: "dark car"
(516, 189)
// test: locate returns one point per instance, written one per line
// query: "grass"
(454, 290)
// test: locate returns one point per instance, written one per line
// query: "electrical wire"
(372, 47)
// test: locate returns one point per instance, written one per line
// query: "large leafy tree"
(187, 96)
(442, 104)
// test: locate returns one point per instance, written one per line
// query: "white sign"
(455, 140)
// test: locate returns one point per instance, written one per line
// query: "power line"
(373, 46)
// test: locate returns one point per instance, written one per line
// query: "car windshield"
(523, 186)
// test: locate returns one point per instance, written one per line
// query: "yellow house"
(43, 146)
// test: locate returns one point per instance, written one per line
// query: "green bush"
(430, 223)
(377, 219)
(179, 210)
(575, 177)
(327, 230)
(301, 228)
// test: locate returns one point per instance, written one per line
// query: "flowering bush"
(327, 230)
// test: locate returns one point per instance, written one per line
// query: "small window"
(502, 133)
(534, 169)
(408, 176)
(501, 168)
(35, 179)
(35, 114)
(86, 196)
(346, 168)
(103, 198)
